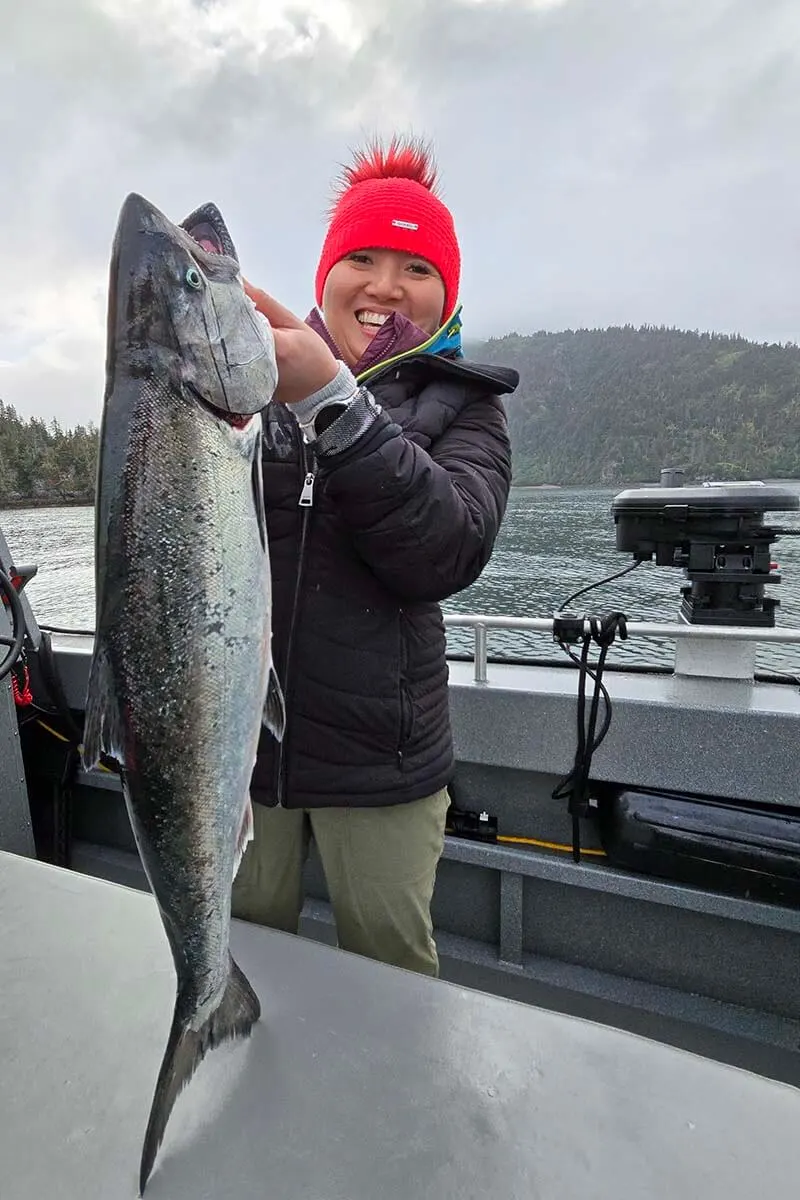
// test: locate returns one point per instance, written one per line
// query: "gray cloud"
(626, 161)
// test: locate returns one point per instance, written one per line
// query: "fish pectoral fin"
(245, 836)
(274, 707)
(102, 726)
(233, 1017)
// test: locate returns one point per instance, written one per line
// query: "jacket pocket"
(406, 715)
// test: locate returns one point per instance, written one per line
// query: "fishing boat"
(619, 891)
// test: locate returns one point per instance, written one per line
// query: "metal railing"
(481, 623)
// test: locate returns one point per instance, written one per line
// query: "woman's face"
(363, 288)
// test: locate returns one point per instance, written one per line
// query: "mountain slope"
(615, 405)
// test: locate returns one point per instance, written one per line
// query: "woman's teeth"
(365, 317)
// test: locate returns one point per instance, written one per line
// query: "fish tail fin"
(234, 1017)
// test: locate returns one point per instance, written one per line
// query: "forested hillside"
(594, 406)
(615, 405)
(44, 463)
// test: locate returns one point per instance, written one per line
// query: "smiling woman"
(365, 288)
(390, 248)
(381, 501)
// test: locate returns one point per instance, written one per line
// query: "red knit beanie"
(387, 200)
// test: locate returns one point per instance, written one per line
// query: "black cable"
(574, 787)
(600, 583)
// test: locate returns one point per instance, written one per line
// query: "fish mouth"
(235, 420)
(207, 227)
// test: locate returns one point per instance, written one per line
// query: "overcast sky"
(607, 161)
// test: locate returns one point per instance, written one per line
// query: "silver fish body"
(182, 676)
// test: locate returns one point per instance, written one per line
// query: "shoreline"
(37, 502)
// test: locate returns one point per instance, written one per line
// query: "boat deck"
(361, 1081)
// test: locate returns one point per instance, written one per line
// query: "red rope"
(22, 696)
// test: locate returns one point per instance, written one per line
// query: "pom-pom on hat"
(387, 199)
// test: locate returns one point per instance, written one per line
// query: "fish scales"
(195, 671)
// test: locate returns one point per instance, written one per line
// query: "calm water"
(551, 544)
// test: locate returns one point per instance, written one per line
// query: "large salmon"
(182, 673)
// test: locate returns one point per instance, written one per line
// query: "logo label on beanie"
(405, 224)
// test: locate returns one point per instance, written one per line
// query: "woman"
(386, 475)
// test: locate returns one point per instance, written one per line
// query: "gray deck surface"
(360, 1083)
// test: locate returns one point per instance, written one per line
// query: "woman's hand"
(305, 363)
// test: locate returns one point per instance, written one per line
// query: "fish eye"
(194, 278)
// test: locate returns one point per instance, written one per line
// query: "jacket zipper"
(306, 502)
(406, 712)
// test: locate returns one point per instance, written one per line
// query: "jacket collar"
(500, 381)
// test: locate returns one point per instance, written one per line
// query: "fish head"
(178, 309)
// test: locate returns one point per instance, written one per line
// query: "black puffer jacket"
(403, 519)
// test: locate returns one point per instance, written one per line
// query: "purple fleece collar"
(397, 335)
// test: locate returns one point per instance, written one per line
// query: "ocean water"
(551, 543)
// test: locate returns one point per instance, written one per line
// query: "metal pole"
(481, 654)
(653, 629)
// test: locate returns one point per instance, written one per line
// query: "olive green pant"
(380, 868)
